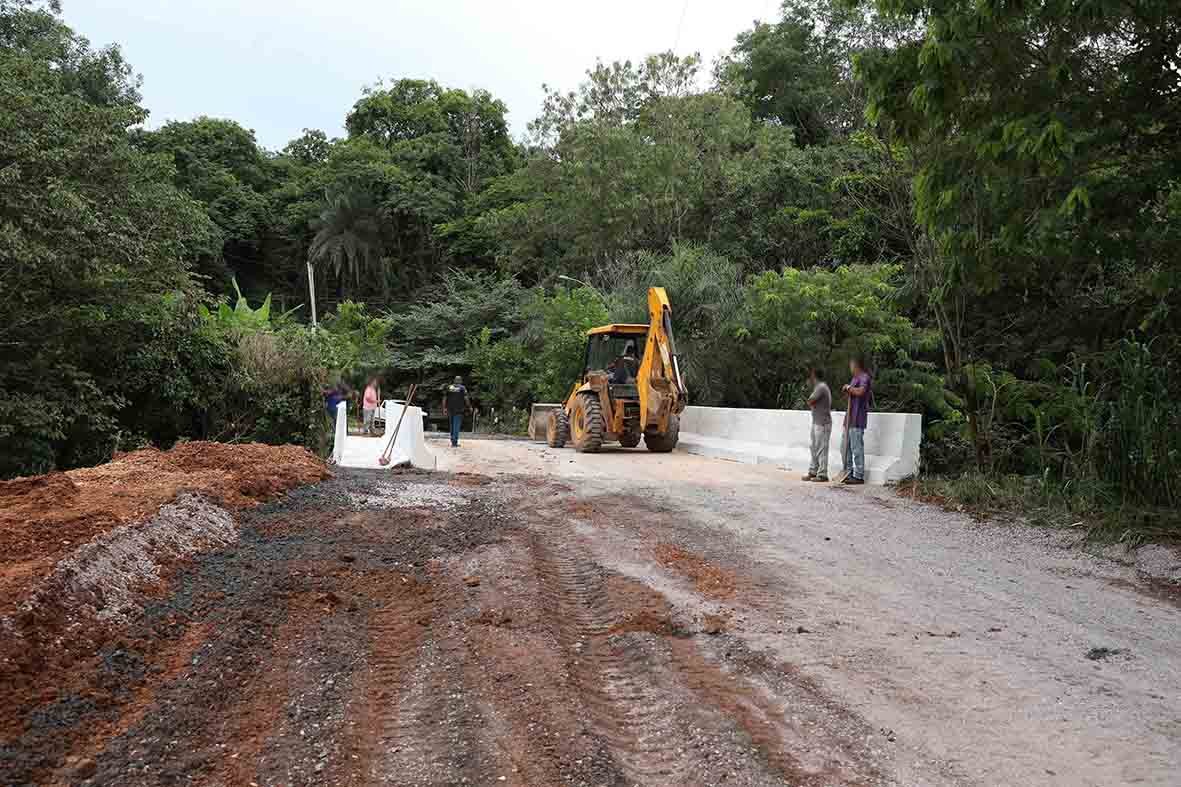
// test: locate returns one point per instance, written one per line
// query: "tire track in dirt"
(418, 722)
(624, 708)
(486, 639)
(810, 751)
(622, 639)
(397, 630)
(421, 727)
(695, 686)
(719, 565)
(535, 718)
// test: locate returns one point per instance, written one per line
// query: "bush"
(1093, 441)
(274, 392)
(794, 319)
(353, 343)
(431, 339)
(543, 361)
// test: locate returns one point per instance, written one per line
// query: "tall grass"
(1138, 445)
(1105, 452)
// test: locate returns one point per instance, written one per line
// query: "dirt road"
(538, 617)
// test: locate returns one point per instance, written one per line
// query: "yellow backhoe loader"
(631, 387)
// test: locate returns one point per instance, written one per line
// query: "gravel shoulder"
(988, 653)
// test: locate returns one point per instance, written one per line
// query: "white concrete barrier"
(341, 433)
(354, 451)
(783, 438)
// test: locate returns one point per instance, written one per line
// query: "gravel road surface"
(537, 617)
(988, 654)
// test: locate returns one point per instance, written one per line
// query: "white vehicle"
(379, 415)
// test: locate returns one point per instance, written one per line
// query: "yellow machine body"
(621, 397)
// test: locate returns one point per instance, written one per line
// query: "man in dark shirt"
(860, 391)
(454, 403)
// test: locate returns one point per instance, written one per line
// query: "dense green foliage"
(1047, 180)
(985, 197)
(94, 244)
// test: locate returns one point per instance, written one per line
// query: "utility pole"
(312, 292)
(590, 287)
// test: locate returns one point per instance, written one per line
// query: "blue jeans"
(854, 453)
(456, 422)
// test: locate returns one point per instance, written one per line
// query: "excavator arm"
(661, 387)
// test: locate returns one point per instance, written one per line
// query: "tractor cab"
(617, 352)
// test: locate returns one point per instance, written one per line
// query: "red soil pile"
(44, 518)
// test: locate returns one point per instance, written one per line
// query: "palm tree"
(348, 235)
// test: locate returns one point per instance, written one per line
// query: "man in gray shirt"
(821, 403)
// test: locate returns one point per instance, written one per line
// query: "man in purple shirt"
(859, 390)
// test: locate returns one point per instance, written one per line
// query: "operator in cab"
(626, 368)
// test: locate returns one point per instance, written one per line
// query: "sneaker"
(821, 479)
(851, 481)
(808, 477)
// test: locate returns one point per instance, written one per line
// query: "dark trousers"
(456, 422)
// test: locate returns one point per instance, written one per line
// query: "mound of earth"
(45, 518)
(82, 552)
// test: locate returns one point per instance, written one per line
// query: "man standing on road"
(859, 391)
(820, 403)
(454, 403)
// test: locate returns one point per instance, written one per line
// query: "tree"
(795, 319)
(95, 248)
(546, 356)
(219, 163)
(312, 147)
(443, 145)
(1045, 166)
(705, 290)
(634, 159)
(431, 336)
(348, 235)
(798, 72)
(786, 73)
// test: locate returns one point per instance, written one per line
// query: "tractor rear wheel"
(586, 424)
(557, 429)
(659, 443)
(630, 439)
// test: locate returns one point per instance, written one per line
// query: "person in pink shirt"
(369, 403)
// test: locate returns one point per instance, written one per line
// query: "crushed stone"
(110, 570)
(390, 496)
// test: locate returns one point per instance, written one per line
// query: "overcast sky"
(279, 66)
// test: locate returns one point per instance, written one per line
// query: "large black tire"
(557, 429)
(630, 439)
(586, 424)
(663, 443)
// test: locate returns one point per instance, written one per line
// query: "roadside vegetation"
(984, 197)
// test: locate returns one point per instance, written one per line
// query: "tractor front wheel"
(663, 443)
(586, 424)
(557, 429)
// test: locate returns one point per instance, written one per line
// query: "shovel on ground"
(384, 459)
